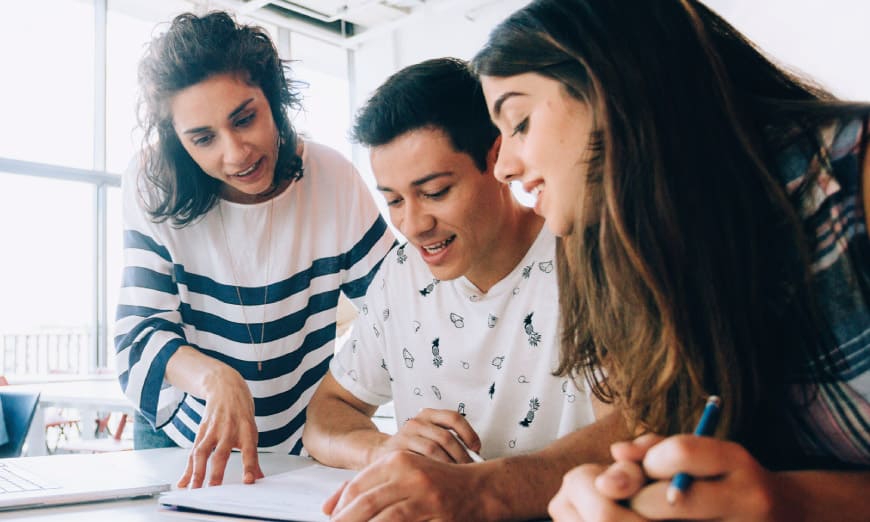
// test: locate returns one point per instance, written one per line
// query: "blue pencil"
(706, 426)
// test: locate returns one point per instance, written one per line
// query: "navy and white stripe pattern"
(179, 289)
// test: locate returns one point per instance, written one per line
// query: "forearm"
(338, 433)
(822, 495)
(197, 374)
(517, 488)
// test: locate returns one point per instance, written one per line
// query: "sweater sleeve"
(370, 235)
(148, 323)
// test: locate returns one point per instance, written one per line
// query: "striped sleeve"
(148, 322)
(364, 221)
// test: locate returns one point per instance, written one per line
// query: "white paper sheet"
(294, 495)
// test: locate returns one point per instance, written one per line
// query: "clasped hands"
(729, 483)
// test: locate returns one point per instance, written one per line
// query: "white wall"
(828, 40)
(452, 28)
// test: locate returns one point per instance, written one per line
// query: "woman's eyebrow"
(496, 107)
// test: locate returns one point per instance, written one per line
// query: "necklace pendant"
(259, 366)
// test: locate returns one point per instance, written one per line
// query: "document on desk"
(295, 495)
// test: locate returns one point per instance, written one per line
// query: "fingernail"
(617, 479)
(652, 455)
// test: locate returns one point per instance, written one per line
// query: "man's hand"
(428, 434)
(339, 431)
(406, 486)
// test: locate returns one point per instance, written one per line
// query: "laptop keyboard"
(14, 479)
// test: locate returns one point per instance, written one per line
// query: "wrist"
(378, 447)
(216, 377)
(514, 488)
(484, 477)
(198, 374)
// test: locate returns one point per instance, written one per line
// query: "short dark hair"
(440, 93)
(193, 49)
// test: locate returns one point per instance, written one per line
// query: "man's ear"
(492, 155)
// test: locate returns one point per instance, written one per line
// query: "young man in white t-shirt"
(459, 328)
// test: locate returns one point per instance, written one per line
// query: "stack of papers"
(294, 495)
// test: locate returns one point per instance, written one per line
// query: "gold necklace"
(257, 346)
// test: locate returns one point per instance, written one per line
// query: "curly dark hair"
(194, 49)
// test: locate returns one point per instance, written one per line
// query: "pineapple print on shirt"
(534, 337)
(437, 360)
(534, 405)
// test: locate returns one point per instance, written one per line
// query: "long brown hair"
(688, 272)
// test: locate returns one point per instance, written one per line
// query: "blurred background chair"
(112, 439)
(60, 423)
(18, 411)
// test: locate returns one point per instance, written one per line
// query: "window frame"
(102, 180)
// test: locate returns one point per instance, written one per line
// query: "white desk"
(166, 464)
(88, 396)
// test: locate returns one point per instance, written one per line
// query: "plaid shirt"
(837, 422)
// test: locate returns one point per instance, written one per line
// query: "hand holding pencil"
(706, 426)
(685, 477)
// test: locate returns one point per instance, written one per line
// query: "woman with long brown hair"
(714, 241)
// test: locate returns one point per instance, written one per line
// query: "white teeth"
(437, 247)
(247, 170)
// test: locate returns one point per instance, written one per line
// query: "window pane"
(47, 275)
(325, 117)
(129, 27)
(47, 88)
(114, 265)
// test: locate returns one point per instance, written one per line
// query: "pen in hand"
(706, 426)
(475, 457)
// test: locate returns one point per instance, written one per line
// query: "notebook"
(70, 479)
(295, 495)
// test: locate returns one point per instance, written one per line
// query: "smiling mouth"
(249, 170)
(437, 247)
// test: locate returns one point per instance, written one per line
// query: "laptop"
(70, 479)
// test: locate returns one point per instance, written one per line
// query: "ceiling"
(345, 21)
(362, 13)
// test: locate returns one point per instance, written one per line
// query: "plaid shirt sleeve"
(837, 423)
